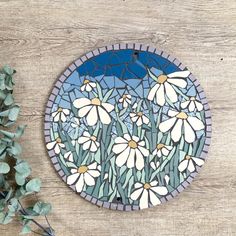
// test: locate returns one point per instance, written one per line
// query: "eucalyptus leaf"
(4, 168)
(42, 208)
(26, 229)
(33, 185)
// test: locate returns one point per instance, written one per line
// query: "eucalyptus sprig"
(16, 183)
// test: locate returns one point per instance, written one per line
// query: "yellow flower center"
(147, 186)
(192, 99)
(160, 146)
(82, 169)
(96, 102)
(162, 79)
(188, 157)
(58, 140)
(182, 115)
(59, 109)
(86, 81)
(140, 113)
(93, 138)
(133, 144)
(124, 96)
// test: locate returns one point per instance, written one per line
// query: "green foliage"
(15, 180)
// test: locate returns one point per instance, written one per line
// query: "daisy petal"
(160, 96)
(119, 140)
(108, 107)
(191, 166)
(118, 148)
(178, 82)
(57, 149)
(183, 165)
(81, 102)
(143, 203)
(152, 92)
(93, 173)
(130, 161)
(170, 92)
(89, 180)
(153, 198)
(92, 116)
(167, 124)
(184, 104)
(177, 130)
(138, 185)
(189, 134)
(71, 179)
(199, 106)
(144, 151)
(80, 184)
(84, 111)
(83, 140)
(195, 123)
(104, 116)
(122, 157)
(136, 194)
(191, 106)
(139, 160)
(51, 145)
(198, 161)
(92, 166)
(161, 190)
(179, 74)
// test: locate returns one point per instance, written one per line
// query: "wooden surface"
(40, 38)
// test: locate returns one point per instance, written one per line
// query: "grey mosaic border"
(80, 61)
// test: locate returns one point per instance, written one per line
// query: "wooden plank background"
(40, 38)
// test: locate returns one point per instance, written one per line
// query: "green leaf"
(20, 179)
(23, 168)
(9, 99)
(5, 218)
(42, 208)
(107, 95)
(8, 70)
(17, 134)
(13, 113)
(33, 185)
(26, 229)
(4, 168)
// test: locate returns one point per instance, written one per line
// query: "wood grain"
(40, 38)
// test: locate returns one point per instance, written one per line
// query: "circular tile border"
(80, 61)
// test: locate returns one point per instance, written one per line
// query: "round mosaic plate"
(127, 126)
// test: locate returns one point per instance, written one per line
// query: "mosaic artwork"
(127, 126)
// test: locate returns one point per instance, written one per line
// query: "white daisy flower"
(162, 150)
(75, 122)
(84, 175)
(147, 193)
(130, 150)
(88, 86)
(125, 100)
(164, 86)
(139, 118)
(69, 156)
(89, 142)
(192, 104)
(189, 163)
(55, 145)
(60, 114)
(94, 109)
(154, 165)
(181, 121)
